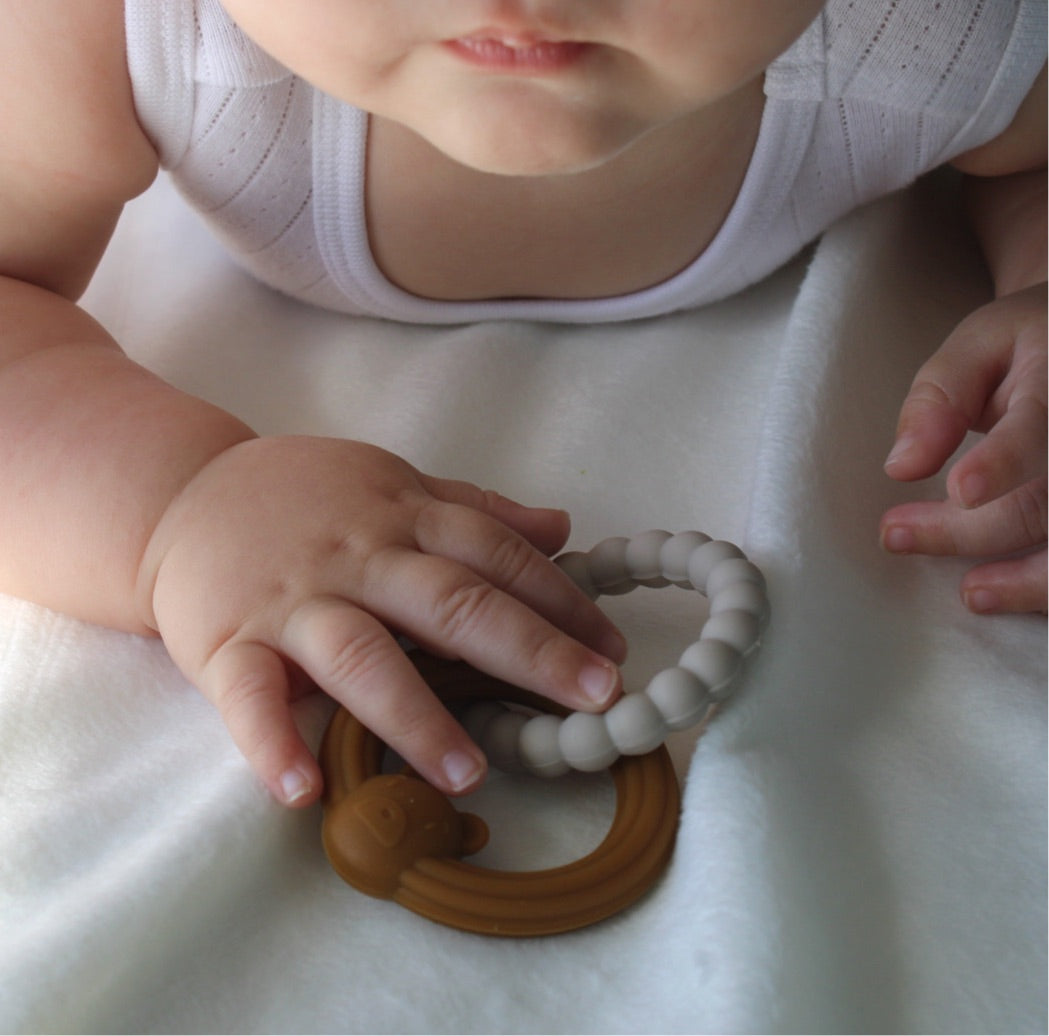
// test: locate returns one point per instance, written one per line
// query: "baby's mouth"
(513, 53)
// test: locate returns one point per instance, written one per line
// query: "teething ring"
(396, 837)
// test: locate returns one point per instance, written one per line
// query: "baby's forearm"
(93, 448)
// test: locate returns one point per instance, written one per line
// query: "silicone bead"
(715, 663)
(643, 558)
(607, 563)
(575, 565)
(538, 748)
(733, 570)
(635, 725)
(680, 696)
(676, 698)
(744, 597)
(500, 739)
(585, 742)
(739, 629)
(674, 555)
(703, 560)
(608, 570)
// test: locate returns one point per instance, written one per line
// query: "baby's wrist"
(179, 505)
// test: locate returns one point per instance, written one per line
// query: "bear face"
(382, 827)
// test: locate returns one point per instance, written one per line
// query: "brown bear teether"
(396, 837)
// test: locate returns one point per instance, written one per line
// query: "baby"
(429, 161)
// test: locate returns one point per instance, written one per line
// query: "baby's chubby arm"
(989, 376)
(130, 503)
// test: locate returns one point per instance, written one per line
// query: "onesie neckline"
(342, 232)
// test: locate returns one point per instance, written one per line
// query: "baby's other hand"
(988, 376)
(298, 554)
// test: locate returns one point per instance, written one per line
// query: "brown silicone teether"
(395, 837)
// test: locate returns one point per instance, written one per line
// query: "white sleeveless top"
(874, 93)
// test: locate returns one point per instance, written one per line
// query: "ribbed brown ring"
(441, 887)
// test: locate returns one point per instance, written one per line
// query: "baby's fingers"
(545, 528)
(248, 683)
(1016, 521)
(930, 428)
(510, 563)
(1011, 454)
(449, 609)
(1014, 585)
(1013, 523)
(355, 659)
(993, 358)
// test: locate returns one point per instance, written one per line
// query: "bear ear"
(475, 833)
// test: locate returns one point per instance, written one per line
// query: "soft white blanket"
(863, 839)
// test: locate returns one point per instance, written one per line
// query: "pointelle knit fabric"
(873, 94)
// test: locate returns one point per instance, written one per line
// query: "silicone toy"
(396, 837)
(676, 698)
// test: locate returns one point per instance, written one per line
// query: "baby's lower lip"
(496, 54)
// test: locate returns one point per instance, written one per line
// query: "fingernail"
(898, 540)
(897, 452)
(598, 682)
(461, 770)
(294, 785)
(972, 490)
(982, 600)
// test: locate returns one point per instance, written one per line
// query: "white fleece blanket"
(863, 839)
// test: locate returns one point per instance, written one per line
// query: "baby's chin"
(554, 147)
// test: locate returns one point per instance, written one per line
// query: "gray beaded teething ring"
(676, 698)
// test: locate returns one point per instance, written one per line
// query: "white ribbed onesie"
(874, 93)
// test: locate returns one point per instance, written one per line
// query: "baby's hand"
(988, 376)
(302, 554)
